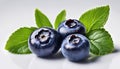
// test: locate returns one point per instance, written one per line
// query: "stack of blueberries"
(70, 37)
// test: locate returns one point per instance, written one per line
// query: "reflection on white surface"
(38, 63)
(99, 63)
(110, 61)
(54, 62)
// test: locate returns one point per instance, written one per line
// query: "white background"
(19, 13)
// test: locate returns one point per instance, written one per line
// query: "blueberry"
(44, 42)
(71, 26)
(75, 47)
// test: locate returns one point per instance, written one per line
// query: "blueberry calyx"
(43, 36)
(73, 42)
(74, 39)
(70, 23)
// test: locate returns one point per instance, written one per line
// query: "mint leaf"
(18, 41)
(60, 17)
(95, 18)
(41, 19)
(100, 42)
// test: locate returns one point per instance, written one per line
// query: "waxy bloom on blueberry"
(71, 26)
(75, 47)
(44, 42)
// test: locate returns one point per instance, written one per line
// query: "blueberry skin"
(75, 47)
(44, 42)
(71, 26)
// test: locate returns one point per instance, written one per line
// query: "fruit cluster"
(70, 37)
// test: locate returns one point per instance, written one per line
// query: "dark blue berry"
(75, 47)
(71, 26)
(44, 42)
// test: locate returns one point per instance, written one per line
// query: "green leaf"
(100, 42)
(95, 18)
(18, 41)
(60, 17)
(41, 19)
